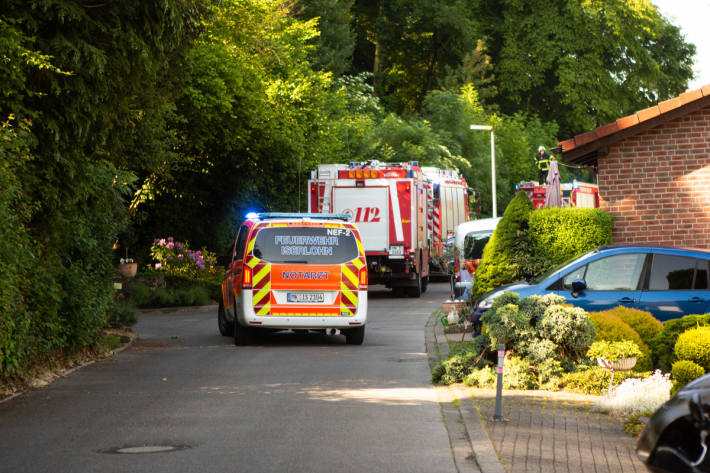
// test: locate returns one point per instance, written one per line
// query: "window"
(614, 273)
(312, 245)
(678, 273)
(474, 243)
(241, 242)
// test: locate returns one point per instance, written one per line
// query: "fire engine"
(575, 194)
(388, 203)
(447, 193)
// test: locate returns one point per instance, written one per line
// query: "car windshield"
(560, 268)
(305, 245)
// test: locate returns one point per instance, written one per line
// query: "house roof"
(583, 149)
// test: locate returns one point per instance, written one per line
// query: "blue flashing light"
(252, 215)
(268, 215)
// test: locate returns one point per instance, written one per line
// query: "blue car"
(667, 282)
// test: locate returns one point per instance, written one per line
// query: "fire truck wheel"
(416, 291)
(398, 291)
(355, 336)
(226, 328)
(425, 284)
(242, 335)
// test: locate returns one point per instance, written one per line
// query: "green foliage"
(499, 265)
(559, 234)
(549, 374)
(594, 380)
(568, 328)
(610, 327)
(456, 367)
(683, 372)
(646, 325)
(177, 259)
(122, 313)
(613, 351)
(517, 374)
(663, 343)
(694, 345)
(481, 378)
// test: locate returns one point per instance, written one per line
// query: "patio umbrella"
(552, 196)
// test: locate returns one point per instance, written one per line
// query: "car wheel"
(416, 291)
(226, 328)
(355, 336)
(242, 335)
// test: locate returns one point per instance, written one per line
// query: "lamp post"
(493, 164)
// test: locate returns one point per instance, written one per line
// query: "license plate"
(396, 251)
(308, 298)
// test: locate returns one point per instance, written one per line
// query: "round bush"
(684, 371)
(518, 375)
(662, 344)
(611, 328)
(481, 378)
(694, 345)
(646, 325)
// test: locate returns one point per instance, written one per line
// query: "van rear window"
(305, 245)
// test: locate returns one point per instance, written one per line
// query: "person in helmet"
(542, 160)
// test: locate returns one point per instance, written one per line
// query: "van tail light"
(362, 277)
(246, 278)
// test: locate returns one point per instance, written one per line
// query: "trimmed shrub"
(569, 328)
(481, 378)
(549, 374)
(122, 313)
(456, 367)
(561, 234)
(593, 380)
(498, 265)
(611, 328)
(646, 325)
(662, 344)
(694, 345)
(684, 371)
(517, 374)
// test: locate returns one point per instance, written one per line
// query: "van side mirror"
(224, 260)
(578, 285)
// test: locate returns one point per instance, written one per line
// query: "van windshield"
(305, 245)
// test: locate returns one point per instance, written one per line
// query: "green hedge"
(561, 234)
(694, 345)
(611, 328)
(662, 344)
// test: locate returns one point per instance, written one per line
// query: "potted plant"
(128, 267)
(615, 356)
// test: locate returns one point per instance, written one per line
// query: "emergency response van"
(295, 271)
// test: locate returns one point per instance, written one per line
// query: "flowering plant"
(637, 396)
(127, 260)
(613, 351)
(177, 259)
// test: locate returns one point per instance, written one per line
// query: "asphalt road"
(292, 403)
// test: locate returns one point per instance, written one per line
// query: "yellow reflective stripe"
(259, 295)
(358, 264)
(265, 310)
(278, 225)
(349, 294)
(350, 275)
(360, 250)
(260, 275)
(250, 246)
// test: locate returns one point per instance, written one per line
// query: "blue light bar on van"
(268, 215)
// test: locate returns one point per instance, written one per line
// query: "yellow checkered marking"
(259, 295)
(265, 310)
(350, 275)
(256, 279)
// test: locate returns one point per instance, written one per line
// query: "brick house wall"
(657, 184)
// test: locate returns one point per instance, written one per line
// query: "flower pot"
(128, 270)
(622, 364)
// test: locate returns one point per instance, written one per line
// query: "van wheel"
(242, 335)
(355, 336)
(416, 291)
(226, 328)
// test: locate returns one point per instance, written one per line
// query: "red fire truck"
(447, 193)
(388, 203)
(575, 194)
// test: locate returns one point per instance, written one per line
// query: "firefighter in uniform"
(542, 160)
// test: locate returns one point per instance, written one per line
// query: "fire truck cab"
(388, 204)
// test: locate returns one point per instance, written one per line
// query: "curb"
(471, 445)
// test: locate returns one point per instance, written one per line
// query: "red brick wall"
(657, 184)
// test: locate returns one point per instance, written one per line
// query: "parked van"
(295, 271)
(469, 240)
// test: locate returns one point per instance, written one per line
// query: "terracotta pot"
(128, 270)
(622, 364)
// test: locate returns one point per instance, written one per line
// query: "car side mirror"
(578, 285)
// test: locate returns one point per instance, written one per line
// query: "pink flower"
(158, 265)
(170, 239)
(179, 245)
(180, 256)
(170, 245)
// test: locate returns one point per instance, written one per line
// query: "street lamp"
(493, 164)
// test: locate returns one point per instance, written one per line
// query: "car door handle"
(626, 300)
(696, 299)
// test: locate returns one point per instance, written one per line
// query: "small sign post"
(499, 385)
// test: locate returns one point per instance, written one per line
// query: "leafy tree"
(336, 41)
